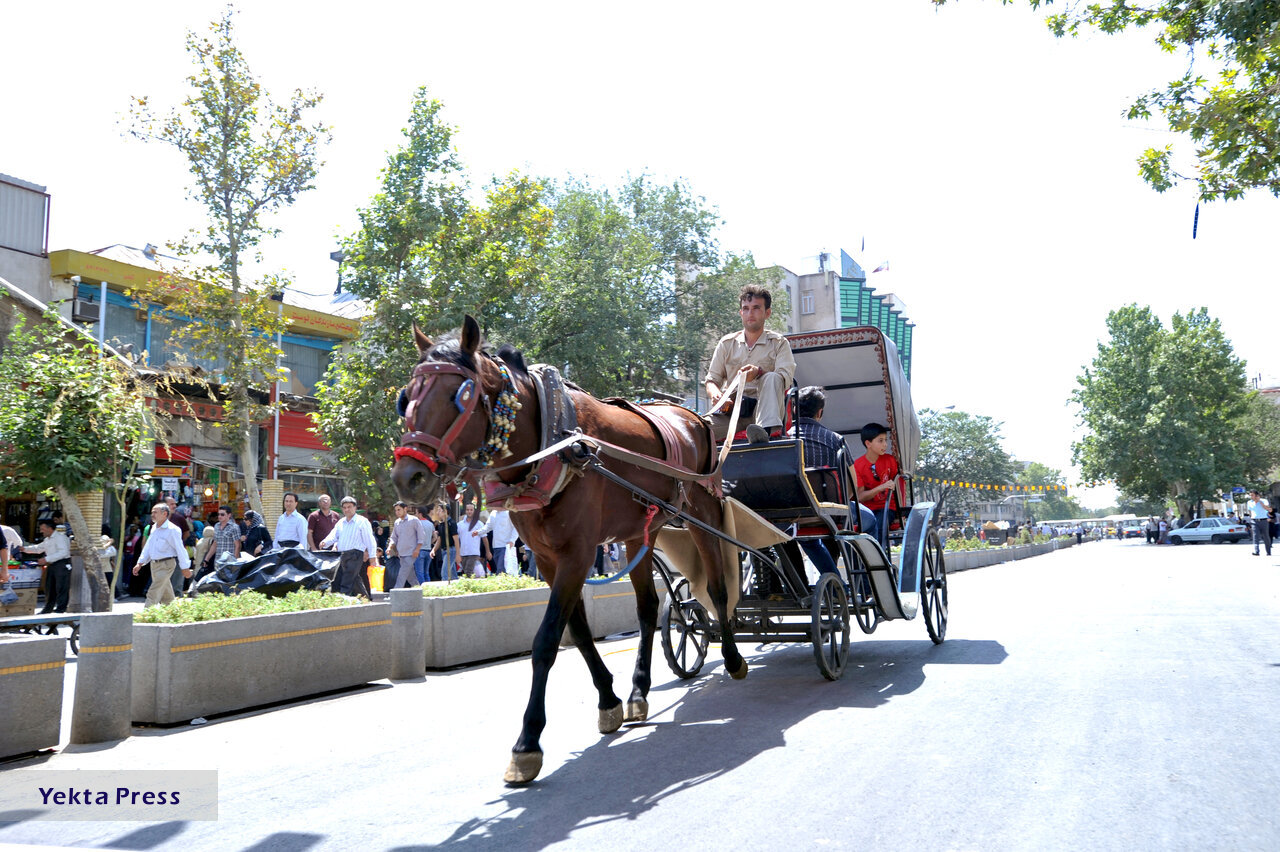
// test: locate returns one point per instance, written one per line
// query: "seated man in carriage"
(822, 448)
(766, 363)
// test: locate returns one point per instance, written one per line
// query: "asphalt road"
(1111, 696)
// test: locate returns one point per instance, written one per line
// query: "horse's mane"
(449, 350)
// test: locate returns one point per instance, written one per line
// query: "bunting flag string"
(991, 486)
(1025, 489)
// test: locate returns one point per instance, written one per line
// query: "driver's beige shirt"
(772, 354)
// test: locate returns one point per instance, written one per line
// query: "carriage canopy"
(864, 382)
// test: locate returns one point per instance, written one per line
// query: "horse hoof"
(740, 672)
(611, 719)
(524, 767)
(637, 711)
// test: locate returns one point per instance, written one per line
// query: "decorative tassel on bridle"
(502, 421)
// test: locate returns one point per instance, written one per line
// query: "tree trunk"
(94, 564)
(249, 460)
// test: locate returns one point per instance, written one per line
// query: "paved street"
(1111, 696)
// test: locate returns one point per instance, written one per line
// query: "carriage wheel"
(934, 597)
(685, 631)
(830, 629)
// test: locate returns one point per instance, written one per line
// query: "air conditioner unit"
(83, 310)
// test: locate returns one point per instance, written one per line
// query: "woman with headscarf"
(257, 540)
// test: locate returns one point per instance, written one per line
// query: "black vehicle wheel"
(74, 640)
(685, 631)
(933, 597)
(1217, 539)
(830, 629)
(1175, 539)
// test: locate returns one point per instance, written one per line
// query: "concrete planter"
(491, 625)
(31, 670)
(611, 608)
(181, 671)
(965, 560)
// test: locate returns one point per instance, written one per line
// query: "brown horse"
(449, 438)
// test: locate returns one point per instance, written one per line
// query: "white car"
(1216, 530)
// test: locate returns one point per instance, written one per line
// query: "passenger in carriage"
(767, 366)
(875, 475)
(822, 448)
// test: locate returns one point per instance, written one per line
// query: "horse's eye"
(402, 402)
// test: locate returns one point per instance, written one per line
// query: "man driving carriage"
(764, 359)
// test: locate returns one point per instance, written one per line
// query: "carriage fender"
(739, 522)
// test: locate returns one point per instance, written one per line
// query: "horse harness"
(553, 467)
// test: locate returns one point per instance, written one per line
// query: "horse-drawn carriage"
(721, 528)
(781, 598)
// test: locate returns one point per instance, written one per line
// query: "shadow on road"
(717, 726)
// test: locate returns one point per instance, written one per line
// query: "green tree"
(249, 158)
(1049, 505)
(1232, 116)
(959, 447)
(72, 420)
(423, 254)
(1165, 410)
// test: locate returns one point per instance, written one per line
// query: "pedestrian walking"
(352, 537)
(56, 550)
(408, 542)
(165, 553)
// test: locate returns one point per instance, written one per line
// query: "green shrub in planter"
(216, 607)
(475, 585)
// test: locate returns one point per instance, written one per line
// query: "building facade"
(842, 298)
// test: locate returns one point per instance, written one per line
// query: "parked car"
(1216, 530)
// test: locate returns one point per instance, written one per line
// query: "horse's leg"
(566, 594)
(708, 509)
(609, 705)
(647, 610)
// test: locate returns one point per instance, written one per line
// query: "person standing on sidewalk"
(469, 545)
(408, 541)
(1260, 511)
(226, 538)
(164, 552)
(320, 523)
(504, 535)
(352, 536)
(291, 528)
(56, 548)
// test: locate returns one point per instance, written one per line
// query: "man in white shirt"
(1260, 509)
(164, 552)
(353, 538)
(291, 528)
(504, 535)
(56, 548)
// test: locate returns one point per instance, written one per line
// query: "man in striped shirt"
(353, 538)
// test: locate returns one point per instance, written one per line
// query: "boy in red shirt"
(875, 475)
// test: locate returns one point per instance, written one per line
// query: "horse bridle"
(441, 453)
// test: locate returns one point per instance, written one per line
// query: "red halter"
(442, 453)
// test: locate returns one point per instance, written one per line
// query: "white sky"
(988, 162)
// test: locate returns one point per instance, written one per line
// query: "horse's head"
(444, 436)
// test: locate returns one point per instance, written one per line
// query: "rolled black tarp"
(274, 573)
